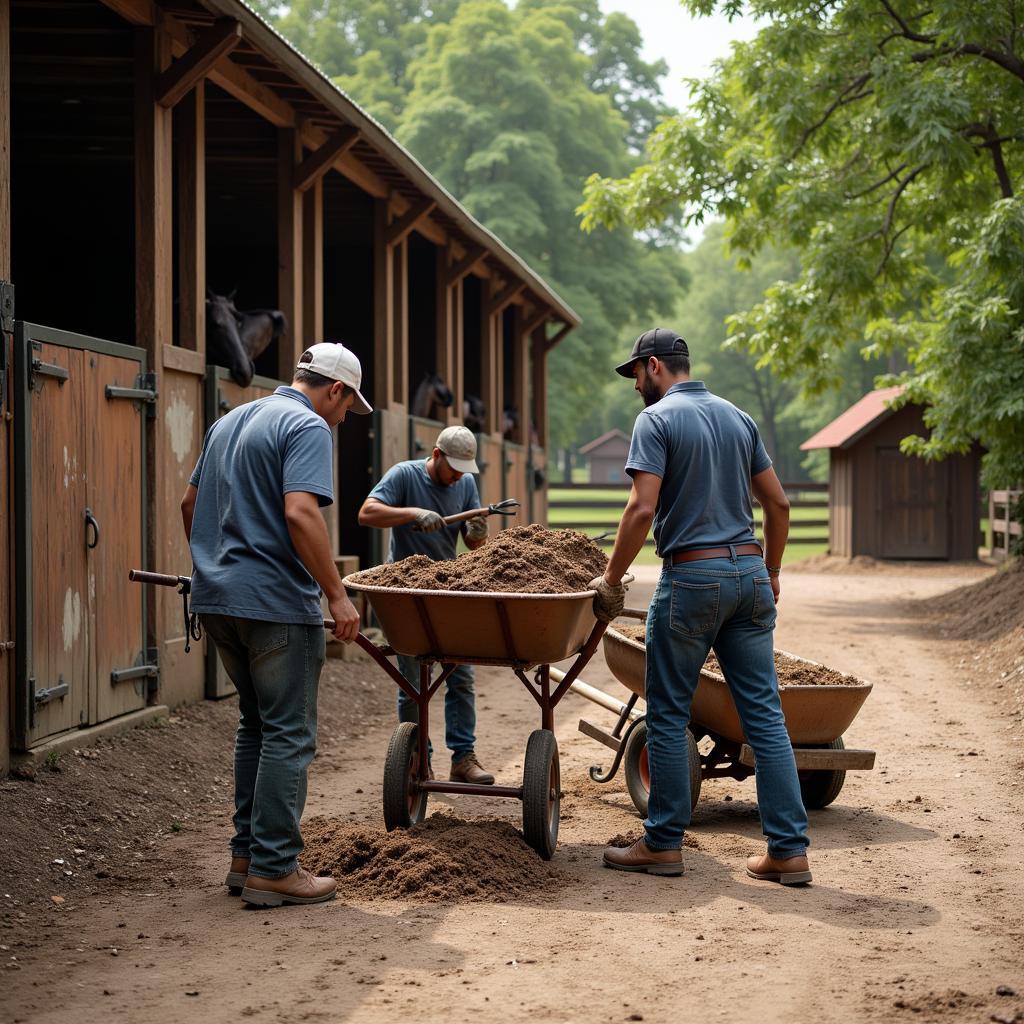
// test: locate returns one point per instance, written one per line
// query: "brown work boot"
(468, 769)
(640, 857)
(298, 887)
(785, 871)
(236, 875)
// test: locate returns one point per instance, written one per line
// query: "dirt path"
(915, 913)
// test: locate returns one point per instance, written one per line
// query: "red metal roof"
(849, 427)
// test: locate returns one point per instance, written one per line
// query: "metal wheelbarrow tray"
(448, 628)
(816, 718)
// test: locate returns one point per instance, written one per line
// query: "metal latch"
(41, 369)
(6, 306)
(145, 390)
(149, 671)
(52, 692)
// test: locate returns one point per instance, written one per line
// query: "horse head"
(474, 413)
(224, 345)
(432, 395)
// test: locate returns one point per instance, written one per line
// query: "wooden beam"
(383, 308)
(190, 155)
(400, 229)
(399, 254)
(466, 264)
(138, 12)
(505, 296)
(211, 44)
(5, 176)
(521, 379)
(491, 362)
(313, 263)
(537, 320)
(539, 368)
(322, 159)
(550, 343)
(289, 251)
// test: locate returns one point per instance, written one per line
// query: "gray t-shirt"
(705, 450)
(409, 484)
(244, 561)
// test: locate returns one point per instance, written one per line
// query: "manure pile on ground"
(444, 859)
(985, 610)
(520, 560)
(790, 671)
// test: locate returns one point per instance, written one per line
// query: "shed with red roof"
(885, 504)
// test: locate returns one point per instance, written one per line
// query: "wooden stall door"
(516, 484)
(114, 489)
(538, 485)
(491, 462)
(57, 534)
(913, 506)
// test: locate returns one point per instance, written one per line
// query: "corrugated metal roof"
(454, 215)
(848, 428)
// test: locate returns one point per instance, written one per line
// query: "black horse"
(236, 338)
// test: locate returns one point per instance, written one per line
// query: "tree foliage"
(511, 108)
(882, 140)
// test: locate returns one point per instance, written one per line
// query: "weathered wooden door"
(79, 492)
(912, 506)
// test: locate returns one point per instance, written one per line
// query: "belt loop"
(732, 552)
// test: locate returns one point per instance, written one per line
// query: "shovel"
(502, 508)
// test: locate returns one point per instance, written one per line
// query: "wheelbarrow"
(523, 632)
(816, 718)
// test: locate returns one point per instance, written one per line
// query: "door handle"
(90, 523)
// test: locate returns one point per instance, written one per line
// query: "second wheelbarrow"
(523, 632)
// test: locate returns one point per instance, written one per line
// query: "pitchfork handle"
(461, 517)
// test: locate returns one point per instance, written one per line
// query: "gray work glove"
(476, 528)
(609, 600)
(427, 521)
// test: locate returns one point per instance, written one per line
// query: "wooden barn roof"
(612, 435)
(847, 429)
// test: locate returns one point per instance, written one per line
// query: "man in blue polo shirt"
(261, 556)
(695, 460)
(412, 499)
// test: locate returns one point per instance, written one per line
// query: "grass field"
(594, 521)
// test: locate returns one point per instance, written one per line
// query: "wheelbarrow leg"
(547, 709)
(423, 703)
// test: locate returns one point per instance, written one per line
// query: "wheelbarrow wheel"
(637, 770)
(819, 789)
(542, 794)
(405, 804)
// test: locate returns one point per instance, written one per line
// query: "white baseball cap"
(459, 447)
(332, 359)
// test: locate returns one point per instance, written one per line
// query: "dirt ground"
(915, 912)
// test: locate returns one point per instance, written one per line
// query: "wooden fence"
(801, 496)
(1001, 508)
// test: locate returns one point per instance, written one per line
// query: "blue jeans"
(459, 705)
(276, 669)
(725, 603)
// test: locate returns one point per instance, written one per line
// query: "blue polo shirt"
(705, 450)
(408, 484)
(244, 561)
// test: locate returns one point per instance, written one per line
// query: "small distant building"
(885, 504)
(607, 457)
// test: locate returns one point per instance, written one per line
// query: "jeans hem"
(273, 876)
(461, 755)
(658, 846)
(779, 854)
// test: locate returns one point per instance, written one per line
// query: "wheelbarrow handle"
(159, 579)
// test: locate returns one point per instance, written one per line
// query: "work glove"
(476, 528)
(608, 600)
(427, 521)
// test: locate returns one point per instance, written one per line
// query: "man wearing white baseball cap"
(412, 499)
(261, 557)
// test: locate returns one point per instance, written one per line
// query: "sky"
(688, 45)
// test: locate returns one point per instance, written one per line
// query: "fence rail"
(1001, 508)
(802, 495)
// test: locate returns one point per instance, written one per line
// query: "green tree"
(881, 139)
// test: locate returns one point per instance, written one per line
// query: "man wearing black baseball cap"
(696, 460)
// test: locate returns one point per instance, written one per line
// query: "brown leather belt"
(698, 553)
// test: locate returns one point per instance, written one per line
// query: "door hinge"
(145, 390)
(6, 306)
(6, 645)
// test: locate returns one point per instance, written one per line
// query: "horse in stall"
(236, 338)
(432, 397)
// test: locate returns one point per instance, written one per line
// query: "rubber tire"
(819, 789)
(638, 778)
(541, 775)
(401, 808)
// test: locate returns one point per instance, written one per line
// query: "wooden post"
(289, 250)
(383, 308)
(400, 385)
(8, 596)
(154, 254)
(540, 385)
(458, 383)
(490, 360)
(190, 153)
(313, 264)
(521, 378)
(5, 143)
(444, 331)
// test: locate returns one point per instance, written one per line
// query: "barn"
(152, 153)
(885, 504)
(606, 457)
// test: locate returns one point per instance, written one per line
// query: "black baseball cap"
(658, 341)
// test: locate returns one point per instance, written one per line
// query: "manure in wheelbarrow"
(442, 860)
(790, 671)
(520, 560)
